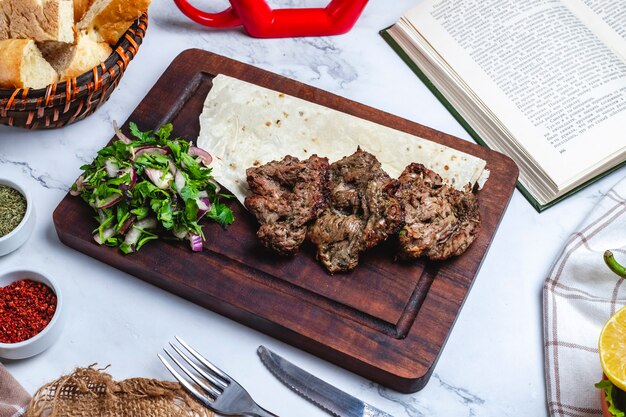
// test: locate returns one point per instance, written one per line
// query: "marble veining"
(44, 180)
(492, 363)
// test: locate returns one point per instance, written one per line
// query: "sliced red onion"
(179, 181)
(111, 168)
(203, 194)
(204, 156)
(80, 184)
(121, 136)
(195, 241)
(149, 149)
(147, 223)
(127, 224)
(180, 233)
(110, 201)
(106, 234)
(132, 237)
(159, 178)
(204, 205)
(133, 179)
(172, 167)
(217, 186)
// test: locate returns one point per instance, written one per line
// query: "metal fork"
(212, 386)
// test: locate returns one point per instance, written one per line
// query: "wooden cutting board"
(387, 321)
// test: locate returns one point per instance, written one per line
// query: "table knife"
(330, 399)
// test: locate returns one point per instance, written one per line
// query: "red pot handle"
(225, 19)
(261, 21)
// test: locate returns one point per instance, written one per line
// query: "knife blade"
(328, 398)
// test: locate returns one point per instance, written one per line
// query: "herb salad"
(151, 186)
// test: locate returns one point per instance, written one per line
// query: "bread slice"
(22, 65)
(111, 18)
(73, 60)
(40, 20)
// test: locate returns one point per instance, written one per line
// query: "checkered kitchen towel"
(579, 296)
(13, 398)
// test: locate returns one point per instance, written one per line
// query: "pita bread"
(244, 125)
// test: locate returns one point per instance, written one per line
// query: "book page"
(612, 12)
(549, 79)
(607, 18)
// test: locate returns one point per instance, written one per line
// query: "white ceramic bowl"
(18, 236)
(49, 334)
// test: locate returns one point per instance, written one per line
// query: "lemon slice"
(612, 348)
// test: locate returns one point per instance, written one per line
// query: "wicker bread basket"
(63, 103)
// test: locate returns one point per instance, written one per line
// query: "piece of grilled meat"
(362, 212)
(287, 195)
(440, 221)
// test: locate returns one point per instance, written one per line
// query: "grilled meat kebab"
(353, 205)
(362, 212)
(287, 196)
(440, 221)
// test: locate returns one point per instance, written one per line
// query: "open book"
(542, 81)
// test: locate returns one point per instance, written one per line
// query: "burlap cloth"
(90, 392)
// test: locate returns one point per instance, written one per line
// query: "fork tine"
(184, 382)
(210, 385)
(204, 361)
(209, 389)
(214, 380)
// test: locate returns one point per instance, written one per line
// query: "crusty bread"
(89, 53)
(22, 65)
(111, 18)
(73, 60)
(58, 54)
(80, 8)
(40, 20)
(44, 41)
(4, 23)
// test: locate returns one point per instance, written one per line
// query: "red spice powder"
(26, 308)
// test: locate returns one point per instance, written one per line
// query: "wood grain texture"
(386, 321)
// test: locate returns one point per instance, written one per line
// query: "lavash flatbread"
(244, 125)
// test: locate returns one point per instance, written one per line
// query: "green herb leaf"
(189, 192)
(221, 214)
(609, 389)
(141, 212)
(164, 132)
(142, 136)
(175, 148)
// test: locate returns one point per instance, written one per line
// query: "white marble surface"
(493, 361)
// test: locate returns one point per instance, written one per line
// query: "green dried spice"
(12, 209)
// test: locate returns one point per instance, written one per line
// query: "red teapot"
(261, 21)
